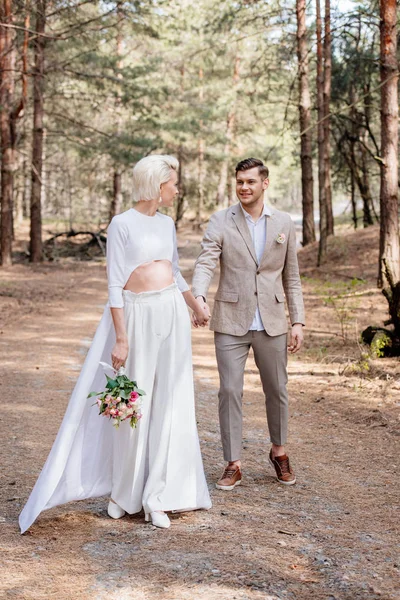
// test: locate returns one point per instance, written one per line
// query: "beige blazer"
(243, 281)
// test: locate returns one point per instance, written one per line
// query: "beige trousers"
(270, 354)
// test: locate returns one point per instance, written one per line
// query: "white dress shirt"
(258, 232)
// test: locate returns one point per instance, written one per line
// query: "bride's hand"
(119, 353)
(201, 316)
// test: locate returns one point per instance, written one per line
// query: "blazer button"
(258, 272)
(255, 293)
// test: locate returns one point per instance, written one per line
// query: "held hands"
(296, 338)
(119, 353)
(201, 314)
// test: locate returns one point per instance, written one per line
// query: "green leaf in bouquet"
(140, 392)
(111, 383)
(93, 394)
(124, 394)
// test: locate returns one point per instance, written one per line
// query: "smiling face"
(169, 190)
(250, 187)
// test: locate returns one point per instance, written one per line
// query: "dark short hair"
(250, 163)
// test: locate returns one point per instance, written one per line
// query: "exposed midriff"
(150, 276)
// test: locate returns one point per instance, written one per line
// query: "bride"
(146, 327)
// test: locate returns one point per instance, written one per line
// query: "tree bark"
(321, 148)
(36, 245)
(200, 156)
(180, 204)
(327, 121)
(116, 202)
(353, 199)
(366, 196)
(7, 133)
(307, 180)
(230, 124)
(389, 251)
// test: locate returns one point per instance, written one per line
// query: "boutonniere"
(281, 239)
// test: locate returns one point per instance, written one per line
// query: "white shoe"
(159, 519)
(115, 511)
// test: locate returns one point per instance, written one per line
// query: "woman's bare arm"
(120, 351)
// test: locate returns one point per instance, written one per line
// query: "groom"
(256, 248)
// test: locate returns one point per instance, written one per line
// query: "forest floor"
(332, 536)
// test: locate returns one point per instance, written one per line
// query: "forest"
(87, 88)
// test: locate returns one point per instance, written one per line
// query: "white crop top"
(133, 239)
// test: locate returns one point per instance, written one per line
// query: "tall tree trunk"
(200, 155)
(7, 60)
(37, 135)
(307, 180)
(389, 251)
(367, 196)
(368, 205)
(232, 194)
(321, 148)
(353, 199)
(180, 204)
(26, 176)
(116, 202)
(230, 124)
(351, 160)
(327, 121)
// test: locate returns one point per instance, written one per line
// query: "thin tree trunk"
(180, 204)
(116, 202)
(367, 196)
(368, 205)
(307, 180)
(26, 182)
(353, 199)
(36, 254)
(200, 156)
(351, 160)
(389, 251)
(7, 60)
(232, 196)
(327, 121)
(321, 149)
(230, 124)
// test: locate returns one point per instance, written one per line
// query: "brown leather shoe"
(284, 472)
(231, 477)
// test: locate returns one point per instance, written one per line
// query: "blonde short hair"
(149, 173)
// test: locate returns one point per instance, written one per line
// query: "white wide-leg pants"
(158, 465)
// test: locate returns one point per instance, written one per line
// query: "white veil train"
(79, 465)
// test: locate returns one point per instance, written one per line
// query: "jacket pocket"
(280, 297)
(227, 296)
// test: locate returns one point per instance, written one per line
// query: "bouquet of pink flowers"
(121, 400)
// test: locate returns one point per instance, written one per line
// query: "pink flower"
(281, 238)
(134, 396)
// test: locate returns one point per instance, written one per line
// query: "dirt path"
(332, 536)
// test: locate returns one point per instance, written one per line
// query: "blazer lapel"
(240, 222)
(272, 233)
